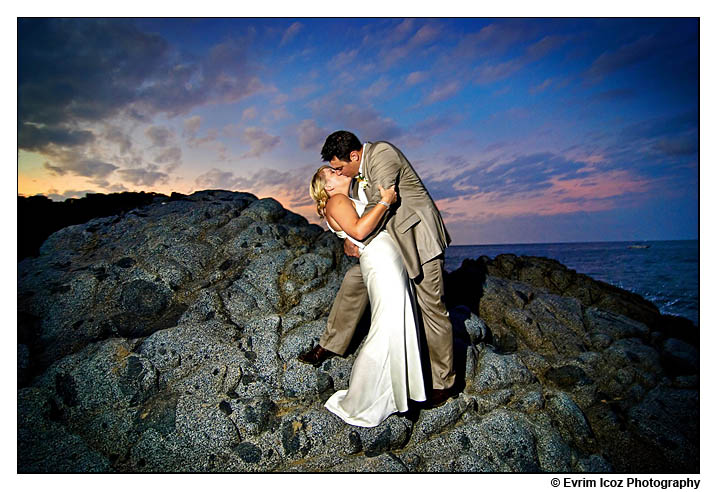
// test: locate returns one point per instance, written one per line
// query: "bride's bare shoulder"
(338, 199)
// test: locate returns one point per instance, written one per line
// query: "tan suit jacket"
(414, 221)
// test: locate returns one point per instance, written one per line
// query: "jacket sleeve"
(385, 170)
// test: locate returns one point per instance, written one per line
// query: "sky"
(522, 129)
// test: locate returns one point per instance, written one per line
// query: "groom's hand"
(351, 249)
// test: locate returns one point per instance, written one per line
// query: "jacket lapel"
(365, 165)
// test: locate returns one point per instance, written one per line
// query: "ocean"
(665, 273)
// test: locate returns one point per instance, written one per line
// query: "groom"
(419, 232)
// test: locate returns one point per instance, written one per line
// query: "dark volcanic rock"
(38, 216)
(165, 340)
(551, 276)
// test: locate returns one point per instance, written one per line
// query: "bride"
(387, 370)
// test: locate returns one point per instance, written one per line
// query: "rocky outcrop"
(165, 339)
(551, 276)
(610, 351)
(38, 216)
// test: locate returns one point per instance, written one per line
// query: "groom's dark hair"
(340, 144)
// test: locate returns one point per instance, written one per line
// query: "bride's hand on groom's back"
(351, 249)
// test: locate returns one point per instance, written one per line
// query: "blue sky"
(523, 130)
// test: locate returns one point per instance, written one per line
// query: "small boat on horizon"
(639, 246)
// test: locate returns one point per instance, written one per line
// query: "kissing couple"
(372, 198)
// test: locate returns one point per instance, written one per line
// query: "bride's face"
(335, 182)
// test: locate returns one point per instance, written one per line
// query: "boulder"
(164, 338)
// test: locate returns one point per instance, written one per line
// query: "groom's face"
(347, 168)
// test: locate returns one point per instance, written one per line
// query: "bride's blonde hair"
(317, 191)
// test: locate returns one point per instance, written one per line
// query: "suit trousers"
(352, 300)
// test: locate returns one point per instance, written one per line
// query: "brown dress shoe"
(316, 356)
(440, 396)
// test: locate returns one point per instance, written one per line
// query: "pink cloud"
(419, 41)
(378, 89)
(600, 186)
(443, 92)
(416, 78)
(598, 192)
(291, 32)
(541, 87)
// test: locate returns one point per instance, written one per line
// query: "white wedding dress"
(387, 370)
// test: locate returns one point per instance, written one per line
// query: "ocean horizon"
(636, 241)
(665, 272)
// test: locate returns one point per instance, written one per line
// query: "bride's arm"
(341, 210)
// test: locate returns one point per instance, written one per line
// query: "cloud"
(116, 188)
(489, 72)
(426, 34)
(302, 91)
(434, 125)
(664, 125)
(585, 194)
(291, 32)
(525, 174)
(604, 225)
(494, 68)
(416, 78)
(423, 131)
(399, 32)
(635, 52)
(74, 72)
(34, 138)
(218, 179)
(280, 113)
(311, 136)
(159, 136)
(496, 146)
(544, 46)
(223, 75)
(259, 141)
(664, 53)
(394, 48)
(681, 145)
(289, 187)
(211, 136)
(379, 89)
(65, 74)
(495, 39)
(89, 168)
(172, 155)
(280, 98)
(116, 135)
(344, 58)
(443, 92)
(368, 123)
(54, 195)
(143, 177)
(541, 87)
(191, 126)
(111, 188)
(55, 169)
(361, 119)
(493, 71)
